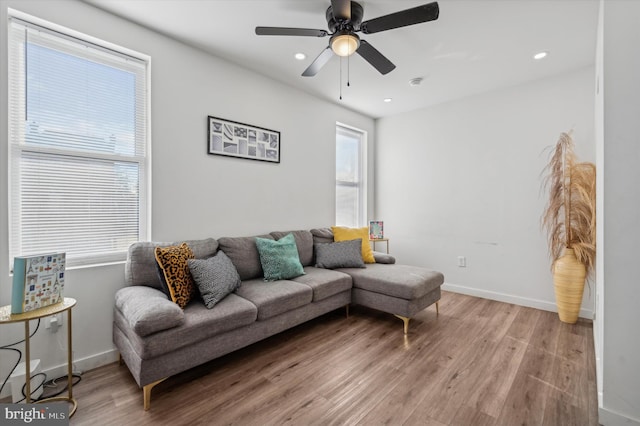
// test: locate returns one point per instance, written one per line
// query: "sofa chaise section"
(401, 290)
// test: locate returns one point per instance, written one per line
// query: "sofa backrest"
(244, 255)
(142, 269)
(304, 242)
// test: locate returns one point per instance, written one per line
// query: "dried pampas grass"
(570, 215)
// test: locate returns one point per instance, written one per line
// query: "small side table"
(373, 242)
(66, 305)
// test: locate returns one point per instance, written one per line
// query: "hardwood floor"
(479, 362)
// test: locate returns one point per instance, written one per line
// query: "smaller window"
(350, 176)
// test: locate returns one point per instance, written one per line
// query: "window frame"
(361, 183)
(17, 136)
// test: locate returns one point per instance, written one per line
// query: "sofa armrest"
(147, 310)
(384, 258)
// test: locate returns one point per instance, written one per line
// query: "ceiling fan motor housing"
(357, 12)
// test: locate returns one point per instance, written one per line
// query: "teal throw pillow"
(279, 259)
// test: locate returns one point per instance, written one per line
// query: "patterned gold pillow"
(173, 263)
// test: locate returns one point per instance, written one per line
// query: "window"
(351, 203)
(78, 153)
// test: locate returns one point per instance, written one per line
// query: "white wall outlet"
(462, 262)
(53, 322)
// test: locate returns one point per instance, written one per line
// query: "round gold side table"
(6, 317)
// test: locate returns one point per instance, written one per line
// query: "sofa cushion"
(244, 254)
(341, 233)
(147, 310)
(343, 254)
(384, 258)
(274, 298)
(322, 235)
(403, 281)
(324, 282)
(142, 269)
(304, 243)
(215, 277)
(176, 276)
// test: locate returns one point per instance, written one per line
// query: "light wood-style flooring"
(479, 362)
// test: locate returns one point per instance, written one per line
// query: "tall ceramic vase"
(568, 280)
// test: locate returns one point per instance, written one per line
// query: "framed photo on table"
(233, 139)
(376, 230)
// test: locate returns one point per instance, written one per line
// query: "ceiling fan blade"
(341, 9)
(318, 63)
(281, 31)
(416, 15)
(375, 58)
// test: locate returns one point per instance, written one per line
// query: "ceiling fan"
(344, 19)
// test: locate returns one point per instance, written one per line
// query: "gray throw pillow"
(215, 277)
(343, 254)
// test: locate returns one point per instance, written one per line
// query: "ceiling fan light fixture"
(344, 43)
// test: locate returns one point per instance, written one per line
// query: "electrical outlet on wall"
(53, 322)
(462, 262)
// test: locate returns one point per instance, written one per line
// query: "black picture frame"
(234, 139)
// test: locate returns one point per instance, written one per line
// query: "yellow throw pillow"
(175, 271)
(340, 233)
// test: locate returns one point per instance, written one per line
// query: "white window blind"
(350, 173)
(78, 151)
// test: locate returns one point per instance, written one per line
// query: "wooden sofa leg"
(120, 360)
(406, 323)
(438, 307)
(347, 310)
(146, 392)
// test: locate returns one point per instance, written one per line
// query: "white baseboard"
(609, 418)
(509, 298)
(84, 364)
(79, 365)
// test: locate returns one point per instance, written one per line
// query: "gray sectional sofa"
(157, 339)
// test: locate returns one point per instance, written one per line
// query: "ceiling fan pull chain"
(341, 78)
(348, 71)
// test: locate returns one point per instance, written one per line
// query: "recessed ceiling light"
(300, 56)
(540, 55)
(387, 100)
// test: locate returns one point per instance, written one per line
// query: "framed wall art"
(234, 139)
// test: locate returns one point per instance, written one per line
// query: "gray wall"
(619, 148)
(194, 195)
(471, 170)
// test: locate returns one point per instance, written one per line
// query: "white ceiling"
(474, 46)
